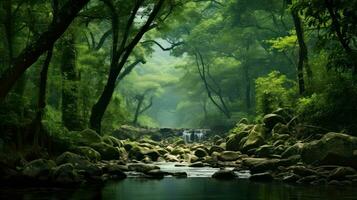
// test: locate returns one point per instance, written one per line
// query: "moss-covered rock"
(199, 152)
(332, 148)
(215, 148)
(65, 174)
(296, 149)
(233, 142)
(38, 169)
(255, 138)
(229, 156)
(106, 151)
(87, 152)
(270, 120)
(265, 150)
(88, 136)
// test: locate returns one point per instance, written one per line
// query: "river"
(198, 186)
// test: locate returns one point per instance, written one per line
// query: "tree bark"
(70, 94)
(41, 104)
(303, 59)
(34, 50)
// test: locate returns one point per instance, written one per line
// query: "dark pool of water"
(186, 189)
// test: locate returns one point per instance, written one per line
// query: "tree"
(43, 43)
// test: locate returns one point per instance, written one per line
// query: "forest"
(107, 93)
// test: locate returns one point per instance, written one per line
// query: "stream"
(198, 186)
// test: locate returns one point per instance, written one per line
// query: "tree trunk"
(36, 124)
(70, 111)
(303, 61)
(34, 50)
(138, 107)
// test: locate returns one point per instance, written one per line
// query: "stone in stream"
(141, 167)
(38, 169)
(255, 139)
(215, 148)
(180, 174)
(340, 173)
(265, 176)
(88, 137)
(229, 156)
(106, 151)
(200, 153)
(65, 174)
(224, 174)
(155, 174)
(196, 164)
(270, 120)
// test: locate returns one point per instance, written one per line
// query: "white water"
(192, 136)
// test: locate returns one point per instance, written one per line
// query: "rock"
(112, 141)
(87, 152)
(340, 173)
(258, 165)
(180, 174)
(156, 174)
(106, 151)
(215, 148)
(141, 167)
(286, 113)
(307, 179)
(224, 174)
(302, 170)
(331, 149)
(266, 176)
(83, 166)
(320, 181)
(38, 169)
(334, 182)
(292, 160)
(280, 129)
(89, 136)
(179, 142)
(296, 149)
(200, 153)
(116, 171)
(229, 156)
(171, 158)
(291, 178)
(233, 142)
(178, 151)
(264, 150)
(139, 153)
(270, 120)
(65, 174)
(255, 138)
(196, 164)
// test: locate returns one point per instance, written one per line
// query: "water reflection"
(187, 189)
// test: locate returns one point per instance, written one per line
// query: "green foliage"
(334, 108)
(274, 91)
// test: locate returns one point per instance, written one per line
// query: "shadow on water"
(185, 189)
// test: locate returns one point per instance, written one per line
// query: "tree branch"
(161, 47)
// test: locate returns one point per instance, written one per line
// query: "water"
(198, 186)
(192, 136)
(186, 189)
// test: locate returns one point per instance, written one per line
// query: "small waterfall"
(186, 135)
(192, 136)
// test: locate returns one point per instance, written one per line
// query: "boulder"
(340, 173)
(112, 141)
(296, 149)
(308, 179)
(200, 153)
(280, 129)
(87, 152)
(233, 142)
(255, 138)
(81, 164)
(155, 174)
(270, 120)
(229, 156)
(115, 171)
(258, 165)
(266, 176)
(331, 149)
(196, 164)
(140, 153)
(215, 148)
(106, 151)
(141, 167)
(38, 169)
(89, 136)
(264, 150)
(65, 174)
(224, 174)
